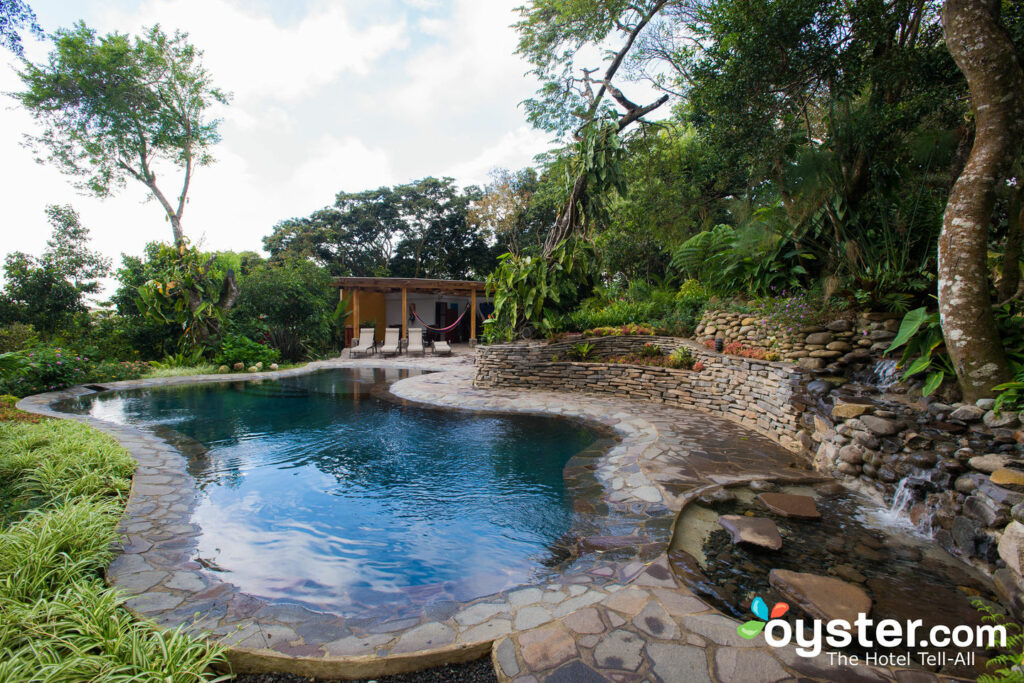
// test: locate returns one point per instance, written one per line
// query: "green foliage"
(620, 330)
(14, 16)
(581, 352)
(666, 310)
(681, 359)
(63, 489)
(1008, 663)
(288, 305)
(920, 333)
(238, 349)
(528, 291)
(17, 336)
(650, 351)
(789, 313)
(192, 290)
(52, 368)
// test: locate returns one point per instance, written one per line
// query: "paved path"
(615, 612)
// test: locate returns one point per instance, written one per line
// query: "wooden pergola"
(407, 285)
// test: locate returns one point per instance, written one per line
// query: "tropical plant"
(1008, 663)
(681, 359)
(581, 351)
(921, 334)
(529, 291)
(238, 349)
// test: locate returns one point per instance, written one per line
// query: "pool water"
(317, 489)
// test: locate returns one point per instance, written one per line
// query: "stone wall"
(829, 346)
(754, 393)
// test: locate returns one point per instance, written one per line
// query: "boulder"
(758, 531)
(821, 597)
(238, 367)
(965, 534)
(222, 369)
(851, 454)
(811, 363)
(843, 410)
(1011, 547)
(253, 368)
(983, 510)
(821, 338)
(1003, 420)
(880, 425)
(274, 366)
(985, 403)
(839, 326)
(967, 414)
(838, 346)
(790, 505)
(989, 463)
(1009, 478)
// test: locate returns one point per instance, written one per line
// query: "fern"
(697, 256)
(1011, 660)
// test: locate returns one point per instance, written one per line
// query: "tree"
(14, 16)
(47, 292)
(113, 108)
(985, 53)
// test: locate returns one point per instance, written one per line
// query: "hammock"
(439, 329)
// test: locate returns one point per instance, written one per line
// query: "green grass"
(63, 487)
(205, 369)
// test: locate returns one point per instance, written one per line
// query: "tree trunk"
(987, 58)
(1009, 279)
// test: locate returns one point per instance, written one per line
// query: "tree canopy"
(113, 108)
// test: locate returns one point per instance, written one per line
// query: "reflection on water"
(315, 490)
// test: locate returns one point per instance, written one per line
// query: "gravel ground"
(479, 671)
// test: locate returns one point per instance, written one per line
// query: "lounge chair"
(365, 344)
(392, 342)
(441, 347)
(415, 343)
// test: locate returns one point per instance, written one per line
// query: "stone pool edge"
(637, 436)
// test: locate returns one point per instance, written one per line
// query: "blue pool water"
(317, 490)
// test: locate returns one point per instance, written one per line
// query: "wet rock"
(989, 462)
(985, 403)
(1017, 512)
(1003, 420)
(818, 387)
(821, 597)
(847, 572)
(1011, 547)
(880, 425)
(966, 484)
(1009, 478)
(758, 531)
(965, 534)
(967, 414)
(790, 505)
(761, 485)
(982, 510)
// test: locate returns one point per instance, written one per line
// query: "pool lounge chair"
(392, 342)
(442, 348)
(415, 343)
(364, 344)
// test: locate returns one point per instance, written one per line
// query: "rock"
(758, 531)
(811, 363)
(988, 463)
(825, 354)
(1004, 420)
(840, 346)
(965, 534)
(790, 505)
(965, 484)
(821, 338)
(985, 403)
(851, 454)
(274, 366)
(749, 321)
(844, 410)
(839, 326)
(1011, 547)
(880, 425)
(253, 368)
(238, 367)
(259, 365)
(981, 509)
(1017, 512)
(967, 414)
(849, 469)
(222, 369)
(821, 597)
(849, 573)
(1009, 478)
(818, 387)
(881, 335)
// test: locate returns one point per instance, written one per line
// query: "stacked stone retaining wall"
(754, 393)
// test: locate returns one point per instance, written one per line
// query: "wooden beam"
(472, 316)
(405, 316)
(355, 313)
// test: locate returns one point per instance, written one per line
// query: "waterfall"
(885, 374)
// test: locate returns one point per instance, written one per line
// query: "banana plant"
(920, 334)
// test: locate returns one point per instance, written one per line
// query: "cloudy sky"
(328, 96)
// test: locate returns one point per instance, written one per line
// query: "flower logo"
(751, 628)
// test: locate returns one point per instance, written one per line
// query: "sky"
(328, 96)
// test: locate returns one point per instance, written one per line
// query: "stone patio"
(615, 612)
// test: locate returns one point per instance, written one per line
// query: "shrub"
(238, 349)
(681, 359)
(650, 351)
(628, 330)
(580, 352)
(17, 336)
(52, 369)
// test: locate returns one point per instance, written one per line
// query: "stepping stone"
(790, 505)
(759, 531)
(821, 597)
(1010, 478)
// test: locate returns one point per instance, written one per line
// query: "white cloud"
(516, 149)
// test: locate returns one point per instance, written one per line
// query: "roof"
(410, 284)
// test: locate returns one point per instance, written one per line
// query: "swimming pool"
(320, 489)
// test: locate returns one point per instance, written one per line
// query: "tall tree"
(14, 16)
(985, 53)
(113, 108)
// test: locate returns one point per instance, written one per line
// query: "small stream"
(907, 575)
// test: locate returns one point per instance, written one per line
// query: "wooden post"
(355, 313)
(405, 316)
(472, 317)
